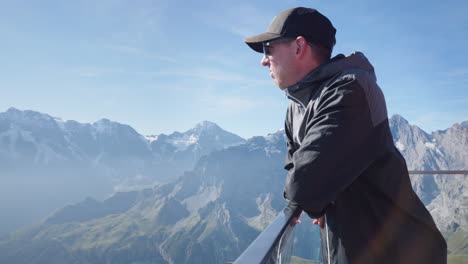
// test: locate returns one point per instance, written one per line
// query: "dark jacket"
(342, 163)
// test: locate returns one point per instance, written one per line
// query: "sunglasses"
(266, 45)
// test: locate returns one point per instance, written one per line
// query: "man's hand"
(297, 220)
(319, 221)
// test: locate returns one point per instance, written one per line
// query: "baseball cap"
(294, 22)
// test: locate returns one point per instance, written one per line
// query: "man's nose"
(265, 61)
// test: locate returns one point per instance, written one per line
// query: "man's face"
(280, 60)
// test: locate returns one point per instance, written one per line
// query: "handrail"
(440, 172)
(276, 237)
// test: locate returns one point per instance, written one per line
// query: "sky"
(162, 66)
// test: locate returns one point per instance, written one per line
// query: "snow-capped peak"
(204, 126)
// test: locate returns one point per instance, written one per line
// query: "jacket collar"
(302, 91)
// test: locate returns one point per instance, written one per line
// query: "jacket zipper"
(297, 101)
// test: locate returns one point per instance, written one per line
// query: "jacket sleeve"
(288, 164)
(337, 147)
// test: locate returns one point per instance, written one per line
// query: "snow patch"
(151, 138)
(432, 146)
(184, 142)
(400, 146)
(271, 150)
(234, 144)
(278, 135)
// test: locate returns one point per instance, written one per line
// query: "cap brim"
(255, 42)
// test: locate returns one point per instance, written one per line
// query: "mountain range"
(46, 162)
(214, 210)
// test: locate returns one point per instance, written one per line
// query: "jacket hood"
(338, 65)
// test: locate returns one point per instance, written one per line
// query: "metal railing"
(440, 172)
(274, 244)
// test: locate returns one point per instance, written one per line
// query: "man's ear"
(301, 44)
(298, 46)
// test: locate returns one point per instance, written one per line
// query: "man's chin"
(282, 87)
(279, 85)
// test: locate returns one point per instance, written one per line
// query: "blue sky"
(163, 66)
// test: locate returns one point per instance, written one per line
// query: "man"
(343, 168)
